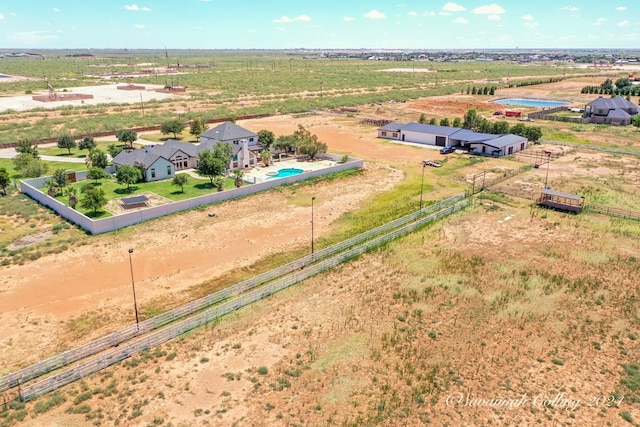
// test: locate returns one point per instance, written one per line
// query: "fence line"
(613, 211)
(138, 345)
(116, 338)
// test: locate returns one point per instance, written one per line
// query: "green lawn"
(76, 152)
(113, 190)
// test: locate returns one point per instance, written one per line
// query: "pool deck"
(259, 174)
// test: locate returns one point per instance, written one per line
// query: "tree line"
(623, 86)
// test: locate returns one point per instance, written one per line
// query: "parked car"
(447, 150)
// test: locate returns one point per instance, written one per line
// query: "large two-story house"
(610, 111)
(161, 161)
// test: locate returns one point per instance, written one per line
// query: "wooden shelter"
(561, 201)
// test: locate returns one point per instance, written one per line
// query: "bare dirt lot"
(384, 340)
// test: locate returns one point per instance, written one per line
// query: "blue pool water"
(530, 102)
(282, 173)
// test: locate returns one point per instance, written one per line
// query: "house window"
(510, 150)
(251, 139)
(522, 146)
(395, 134)
(168, 170)
(384, 133)
(153, 173)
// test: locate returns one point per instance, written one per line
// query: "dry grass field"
(499, 315)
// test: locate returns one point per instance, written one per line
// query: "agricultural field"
(501, 302)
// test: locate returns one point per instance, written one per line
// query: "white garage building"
(445, 136)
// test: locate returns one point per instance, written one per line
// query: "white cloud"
(623, 24)
(34, 38)
(56, 10)
(285, 19)
(621, 8)
(460, 21)
(374, 14)
(139, 26)
(412, 13)
(348, 19)
(491, 9)
(431, 13)
(570, 8)
(528, 17)
(494, 17)
(1, 17)
(136, 8)
(453, 7)
(531, 24)
(601, 21)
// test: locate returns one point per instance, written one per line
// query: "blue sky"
(287, 24)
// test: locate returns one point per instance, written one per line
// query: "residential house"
(613, 111)
(154, 166)
(445, 136)
(161, 161)
(244, 142)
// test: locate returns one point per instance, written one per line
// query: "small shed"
(134, 202)
(561, 201)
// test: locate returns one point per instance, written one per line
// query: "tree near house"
(265, 156)
(113, 150)
(52, 187)
(174, 126)
(66, 142)
(127, 136)
(26, 146)
(214, 163)
(307, 143)
(4, 180)
(423, 119)
(237, 177)
(472, 120)
(60, 178)
(285, 143)
(218, 182)
(500, 127)
(97, 158)
(636, 121)
(29, 166)
(72, 193)
(519, 129)
(180, 180)
(266, 138)
(128, 175)
(196, 128)
(95, 173)
(87, 143)
(456, 122)
(94, 198)
(444, 122)
(534, 133)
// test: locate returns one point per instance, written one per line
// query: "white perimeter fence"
(117, 222)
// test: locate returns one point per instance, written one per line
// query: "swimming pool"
(283, 173)
(525, 102)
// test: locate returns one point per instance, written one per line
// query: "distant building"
(445, 136)
(610, 111)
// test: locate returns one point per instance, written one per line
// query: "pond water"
(527, 102)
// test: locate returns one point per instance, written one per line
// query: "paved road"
(10, 153)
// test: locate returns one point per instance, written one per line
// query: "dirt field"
(366, 344)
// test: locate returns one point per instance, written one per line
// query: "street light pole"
(312, 200)
(547, 177)
(424, 164)
(135, 303)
